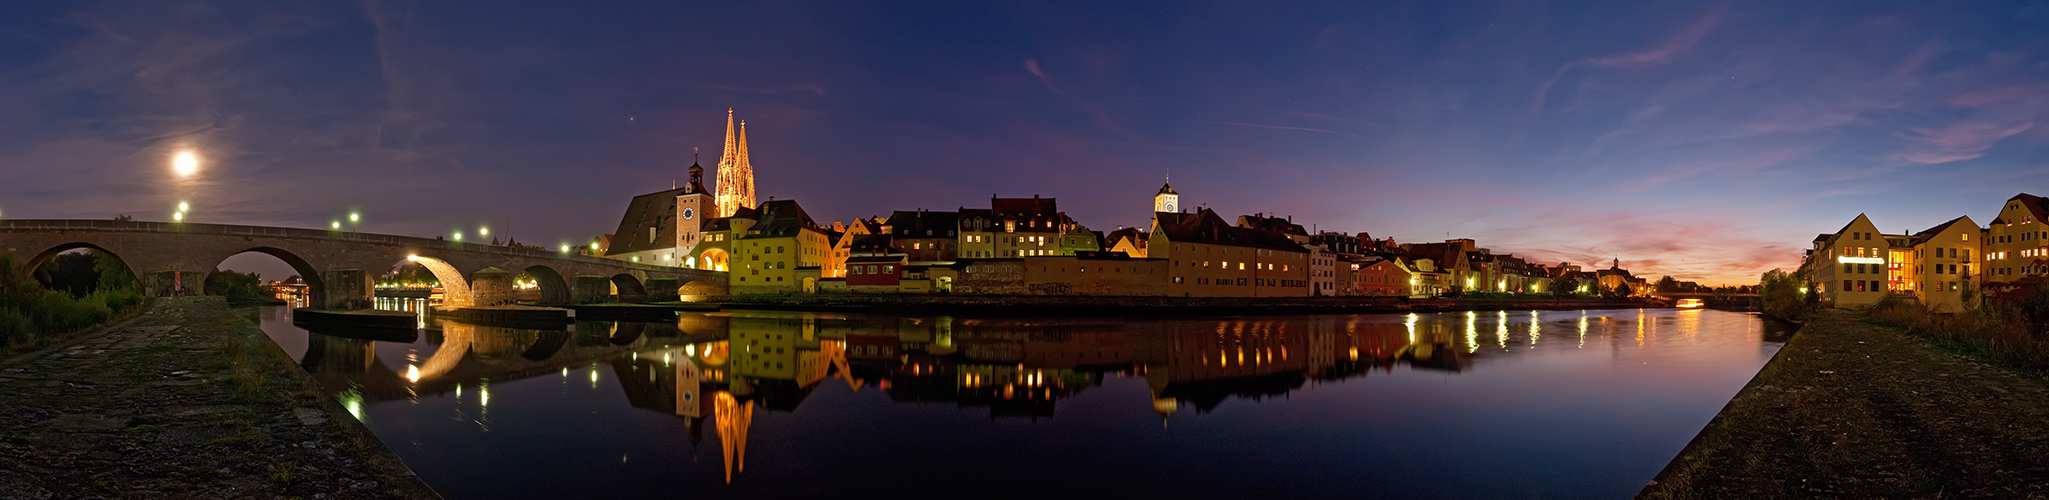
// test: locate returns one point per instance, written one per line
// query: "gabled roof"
(915, 224)
(1275, 224)
(1206, 227)
(1167, 188)
(1930, 233)
(780, 218)
(873, 244)
(2034, 204)
(1023, 207)
(1137, 236)
(656, 211)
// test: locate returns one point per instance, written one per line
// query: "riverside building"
(2016, 243)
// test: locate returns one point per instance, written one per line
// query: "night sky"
(1706, 141)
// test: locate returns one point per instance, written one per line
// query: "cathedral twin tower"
(736, 177)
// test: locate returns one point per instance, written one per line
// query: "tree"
(1786, 296)
(1668, 285)
(1565, 284)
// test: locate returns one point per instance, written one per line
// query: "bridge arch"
(554, 289)
(455, 288)
(51, 253)
(713, 259)
(316, 290)
(628, 285)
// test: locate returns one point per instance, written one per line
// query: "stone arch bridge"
(338, 265)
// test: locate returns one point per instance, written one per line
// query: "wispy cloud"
(1032, 66)
(1272, 127)
(1960, 141)
(1663, 53)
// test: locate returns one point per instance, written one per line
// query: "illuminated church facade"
(689, 226)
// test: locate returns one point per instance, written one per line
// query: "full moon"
(185, 163)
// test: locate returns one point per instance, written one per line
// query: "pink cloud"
(1960, 141)
(1032, 66)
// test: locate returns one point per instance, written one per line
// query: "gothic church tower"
(736, 176)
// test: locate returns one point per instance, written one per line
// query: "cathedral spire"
(736, 176)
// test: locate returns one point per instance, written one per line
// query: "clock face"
(1169, 207)
(689, 213)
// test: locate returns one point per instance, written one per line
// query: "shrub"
(31, 314)
(1785, 296)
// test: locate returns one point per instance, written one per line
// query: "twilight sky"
(1708, 141)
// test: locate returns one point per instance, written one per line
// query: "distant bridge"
(169, 257)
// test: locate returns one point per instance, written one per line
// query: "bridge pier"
(591, 290)
(663, 289)
(175, 283)
(491, 286)
(346, 289)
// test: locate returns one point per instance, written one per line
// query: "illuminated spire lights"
(736, 176)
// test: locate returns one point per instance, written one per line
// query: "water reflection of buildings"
(716, 370)
(1011, 368)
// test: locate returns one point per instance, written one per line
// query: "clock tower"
(693, 206)
(1167, 200)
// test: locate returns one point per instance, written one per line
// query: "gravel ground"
(187, 400)
(1852, 410)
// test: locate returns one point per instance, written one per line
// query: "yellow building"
(768, 252)
(1848, 268)
(978, 230)
(1939, 267)
(2016, 244)
(1208, 257)
(836, 259)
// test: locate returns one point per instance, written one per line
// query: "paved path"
(187, 400)
(1852, 410)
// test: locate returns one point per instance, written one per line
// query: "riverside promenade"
(187, 400)
(1849, 409)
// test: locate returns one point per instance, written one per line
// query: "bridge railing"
(38, 225)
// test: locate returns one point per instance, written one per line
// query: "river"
(1492, 404)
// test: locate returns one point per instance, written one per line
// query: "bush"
(1785, 296)
(31, 314)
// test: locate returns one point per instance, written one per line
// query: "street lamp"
(458, 236)
(334, 225)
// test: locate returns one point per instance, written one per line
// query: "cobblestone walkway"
(186, 401)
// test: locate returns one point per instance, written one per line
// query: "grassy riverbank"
(1853, 409)
(186, 400)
